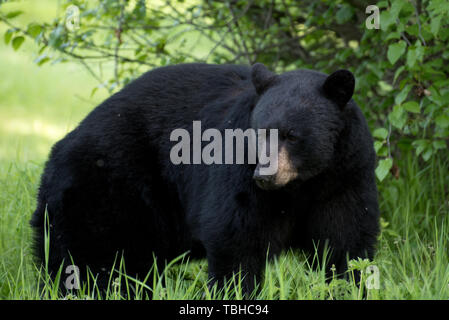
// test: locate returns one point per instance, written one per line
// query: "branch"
(118, 33)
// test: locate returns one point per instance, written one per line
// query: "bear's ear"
(339, 87)
(261, 77)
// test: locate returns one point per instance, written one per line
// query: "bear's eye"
(291, 137)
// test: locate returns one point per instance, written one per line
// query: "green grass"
(39, 105)
(412, 254)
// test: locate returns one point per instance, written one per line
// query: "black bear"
(110, 186)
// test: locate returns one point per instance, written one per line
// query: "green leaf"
(383, 168)
(393, 35)
(388, 17)
(17, 42)
(420, 145)
(435, 97)
(435, 24)
(13, 14)
(398, 117)
(427, 154)
(401, 96)
(396, 7)
(344, 14)
(42, 49)
(8, 35)
(438, 6)
(34, 29)
(93, 91)
(41, 59)
(55, 39)
(442, 121)
(380, 133)
(382, 4)
(395, 51)
(439, 144)
(377, 146)
(412, 106)
(414, 54)
(398, 72)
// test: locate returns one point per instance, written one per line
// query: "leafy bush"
(402, 68)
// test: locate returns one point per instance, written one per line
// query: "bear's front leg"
(247, 266)
(236, 249)
(344, 227)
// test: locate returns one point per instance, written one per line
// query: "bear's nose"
(263, 181)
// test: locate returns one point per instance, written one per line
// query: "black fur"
(109, 185)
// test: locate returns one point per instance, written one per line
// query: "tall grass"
(412, 258)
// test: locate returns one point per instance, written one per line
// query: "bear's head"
(306, 107)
